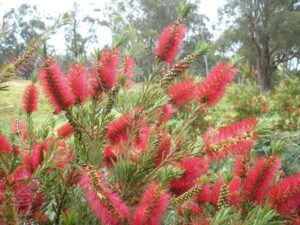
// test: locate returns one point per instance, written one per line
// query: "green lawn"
(11, 105)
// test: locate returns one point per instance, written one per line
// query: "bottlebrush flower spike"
(107, 206)
(285, 196)
(55, 86)
(37, 155)
(107, 69)
(237, 138)
(77, 76)
(128, 66)
(152, 206)
(30, 99)
(234, 196)
(167, 113)
(163, 148)
(65, 131)
(215, 192)
(260, 178)
(169, 42)
(193, 168)
(204, 195)
(4, 145)
(140, 141)
(211, 90)
(117, 130)
(182, 92)
(240, 166)
(111, 154)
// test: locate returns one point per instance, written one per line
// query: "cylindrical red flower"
(77, 77)
(30, 99)
(55, 86)
(4, 145)
(260, 178)
(285, 196)
(237, 138)
(169, 42)
(182, 92)
(128, 66)
(107, 69)
(117, 129)
(65, 130)
(107, 206)
(152, 206)
(212, 89)
(193, 168)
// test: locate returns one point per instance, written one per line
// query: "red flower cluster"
(65, 131)
(107, 206)
(213, 87)
(236, 138)
(77, 76)
(285, 196)
(169, 42)
(152, 206)
(117, 130)
(182, 92)
(4, 145)
(193, 168)
(260, 178)
(128, 66)
(55, 86)
(107, 70)
(30, 99)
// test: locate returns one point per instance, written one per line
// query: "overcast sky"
(56, 7)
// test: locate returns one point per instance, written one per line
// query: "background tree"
(77, 40)
(141, 21)
(267, 32)
(23, 25)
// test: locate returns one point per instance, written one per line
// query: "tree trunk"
(264, 80)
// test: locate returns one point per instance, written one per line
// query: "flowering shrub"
(126, 164)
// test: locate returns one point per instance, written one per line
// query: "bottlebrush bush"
(125, 163)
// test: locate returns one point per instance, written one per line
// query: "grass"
(11, 105)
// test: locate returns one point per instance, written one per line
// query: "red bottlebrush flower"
(211, 90)
(111, 154)
(63, 156)
(77, 77)
(167, 113)
(117, 130)
(204, 195)
(182, 92)
(193, 168)
(152, 206)
(107, 206)
(215, 192)
(240, 167)
(128, 66)
(236, 138)
(30, 99)
(169, 42)
(234, 196)
(260, 178)
(163, 149)
(285, 196)
(65, 131)
(55, 86)
(107, 70)
(140, 141)
(37, 156)
(4, 145)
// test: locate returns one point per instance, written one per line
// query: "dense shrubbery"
(159, 155)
